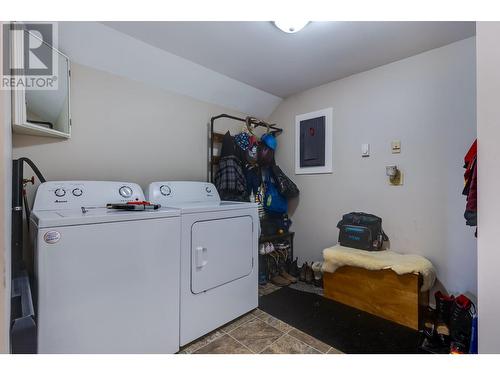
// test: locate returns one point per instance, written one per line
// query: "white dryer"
(219, 266)
(107, 280)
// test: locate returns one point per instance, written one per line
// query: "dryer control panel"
(76, 194)
(174, 192)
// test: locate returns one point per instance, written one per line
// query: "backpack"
(285, 186)
(274, 202)
(361, 231)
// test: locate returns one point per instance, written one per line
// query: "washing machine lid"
(57, 218)
(194, 207)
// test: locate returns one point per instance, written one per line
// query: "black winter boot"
(444, 304)
(461, 324)
(431, 341)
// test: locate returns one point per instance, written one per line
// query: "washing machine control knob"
(60, 192)
(126, 191)
(208, 189)
(165, 190)
(77, 192)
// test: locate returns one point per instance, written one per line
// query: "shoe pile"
(448, 328)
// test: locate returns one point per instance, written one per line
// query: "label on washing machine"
(52, 236)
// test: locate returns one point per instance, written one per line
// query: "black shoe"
(318, 282)
(436, 335)
(458, 347)
(302, 273)
(444, 304)
(309, 274)
(461, 323)
(429, 322)
(435, 346)
(294, 270)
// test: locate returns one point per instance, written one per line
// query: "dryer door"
(221, 252)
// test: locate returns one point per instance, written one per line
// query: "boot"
(279, 280)
(294, 269)
(309, 274)
(287, 276)
(263, 270)
(461, 324)
(318, 275)
(429, 323)
(444, 304)
(318, 282)
(262, 278)
(432, 342)
(302, 273)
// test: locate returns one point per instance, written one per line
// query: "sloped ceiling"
(248, 66)
(101, 47)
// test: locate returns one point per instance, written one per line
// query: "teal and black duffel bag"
(361, 231)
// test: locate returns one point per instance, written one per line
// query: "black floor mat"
(347, 329)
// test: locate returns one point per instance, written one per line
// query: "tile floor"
(258, 332)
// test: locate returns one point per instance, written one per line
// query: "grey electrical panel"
(312, 142)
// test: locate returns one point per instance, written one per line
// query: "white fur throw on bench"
(338, 256)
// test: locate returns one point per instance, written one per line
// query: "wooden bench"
(383, 293)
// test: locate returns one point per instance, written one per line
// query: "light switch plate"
(396, 146)
(365, 150)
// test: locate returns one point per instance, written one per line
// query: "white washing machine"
(107, 280)
(219, 264)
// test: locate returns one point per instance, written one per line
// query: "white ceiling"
(258, 54)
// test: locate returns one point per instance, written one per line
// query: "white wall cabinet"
(40, 111)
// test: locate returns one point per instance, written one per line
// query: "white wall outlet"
(365, 150)
(396, 146)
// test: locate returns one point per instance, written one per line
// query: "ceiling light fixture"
(290, 27)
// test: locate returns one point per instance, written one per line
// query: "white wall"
(5, 210)
(488, 132)
(427, 101)
(125, 130)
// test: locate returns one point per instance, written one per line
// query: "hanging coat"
(470, 188)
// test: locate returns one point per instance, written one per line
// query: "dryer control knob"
(60, 192)
(208, 189)
(165, 190)
(125, 191)
(77, 192)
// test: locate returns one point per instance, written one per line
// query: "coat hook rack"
(249, 120)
